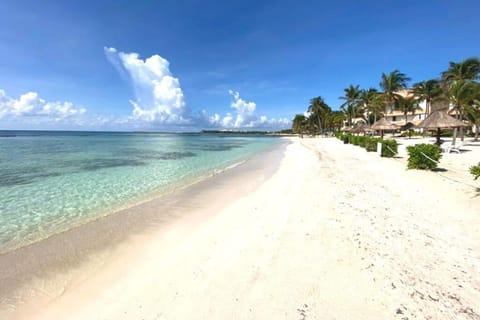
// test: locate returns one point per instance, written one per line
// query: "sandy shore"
(333, 233)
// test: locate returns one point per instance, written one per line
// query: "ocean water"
(53, 181)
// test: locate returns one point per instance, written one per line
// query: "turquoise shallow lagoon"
(53, 181)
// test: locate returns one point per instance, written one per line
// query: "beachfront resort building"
(397, 117)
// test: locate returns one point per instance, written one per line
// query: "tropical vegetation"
(475, 171)
(351, 107)
(423, 156)
(389, 147)
(457, 87)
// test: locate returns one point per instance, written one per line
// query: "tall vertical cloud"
(159, 97)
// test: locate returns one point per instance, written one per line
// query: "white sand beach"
(334, 233)
(455, 163)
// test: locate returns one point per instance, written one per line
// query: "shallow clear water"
(52, 181)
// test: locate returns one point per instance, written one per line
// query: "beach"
(314, 230)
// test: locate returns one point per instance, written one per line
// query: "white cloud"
(30, 105)
(159, 97)
(245, 116)
(240, 105)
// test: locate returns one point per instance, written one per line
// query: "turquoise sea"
(53, 181)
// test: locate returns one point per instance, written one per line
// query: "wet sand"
(331, 232)
(34, 276)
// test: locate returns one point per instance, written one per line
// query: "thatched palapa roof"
(361, 128)
(383, 124)
(440, 119)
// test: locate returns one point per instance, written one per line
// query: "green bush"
(361, 141)
(371, 144)
(411, 133)
(353, 140)
(417, 156)
(475, 171)
(389, 148)
(446, 133)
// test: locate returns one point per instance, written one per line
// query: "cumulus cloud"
(244, 116)
(30, 105)
(159, 97)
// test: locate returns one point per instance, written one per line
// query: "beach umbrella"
(367, 128)
(383, 124)
(361, 127)
(356, 129)
(440, 120)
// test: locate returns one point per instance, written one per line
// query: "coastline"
(34, 275)
(330, 231)
(57, 203)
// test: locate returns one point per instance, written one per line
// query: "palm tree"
(406, 105)
(325, 116)
(318, 109)
(351, 104)
(468, 69)
(462, 94)
(458, 83)
(299, 124)
(312, 125)
(336, 120)
(474, 111)
(369, 100)
(473, 114)
(427, 90)
(377, 107)
(392, 83)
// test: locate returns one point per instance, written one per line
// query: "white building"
(397, 117)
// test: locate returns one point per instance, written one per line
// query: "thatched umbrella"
(361, 127)
(383, 124)
(368, 129)
(440, 120)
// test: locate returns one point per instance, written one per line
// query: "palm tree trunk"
(427, 112)
(437, 142)
(454, 139)
(319, 123)
(462, 134)
(477, 130)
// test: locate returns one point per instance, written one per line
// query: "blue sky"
(248, 64)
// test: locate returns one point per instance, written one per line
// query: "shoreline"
(54, 264)
(136, 200)
(326, 231)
